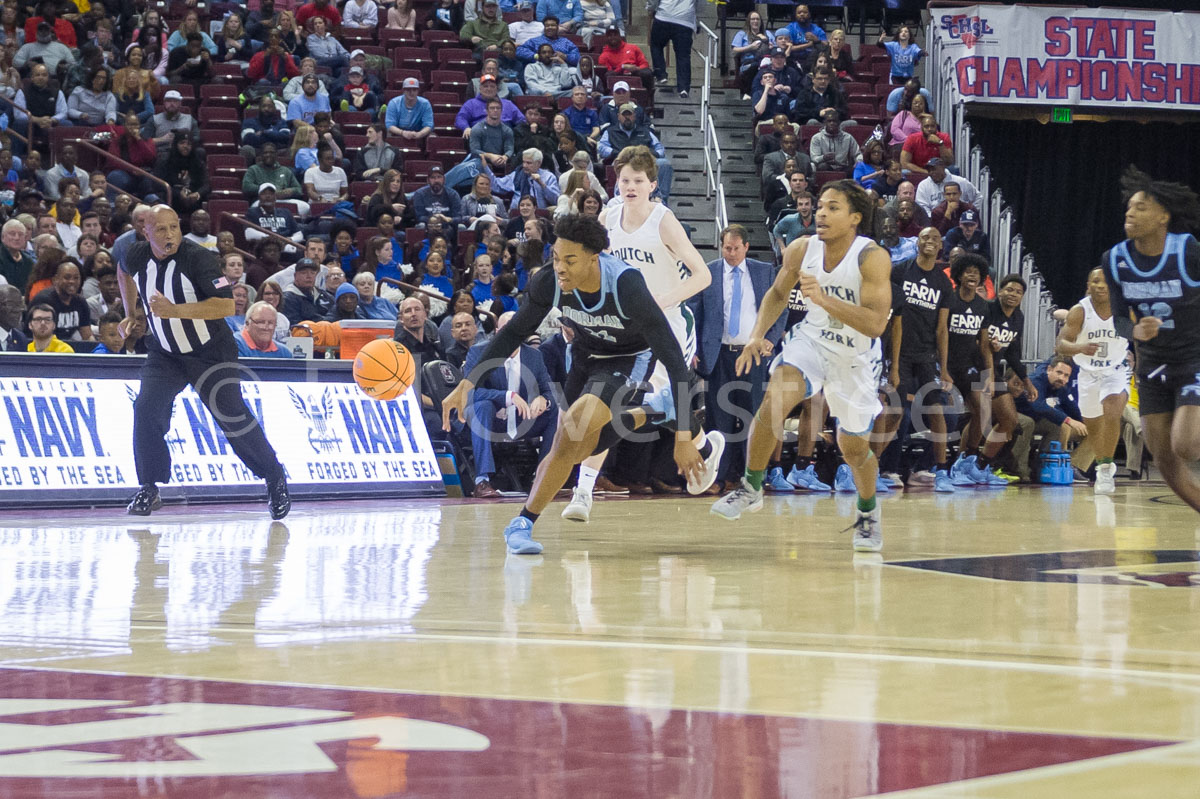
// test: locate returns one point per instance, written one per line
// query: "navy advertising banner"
(1091, 57)
(67, 438)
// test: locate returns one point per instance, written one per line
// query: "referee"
(186, 299)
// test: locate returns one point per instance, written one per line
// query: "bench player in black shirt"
(919, 353)
(1154, 280)
(1000, 340)
(186, 299)
(968, 309)
(620, 333)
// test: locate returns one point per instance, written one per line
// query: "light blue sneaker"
(776, 482)
(882, 485)
(807, 479)
(517, 536)
(989, 480)
(963, 472)
(941, 482)
(843, 481)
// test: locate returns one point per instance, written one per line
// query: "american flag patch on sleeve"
(221, 282)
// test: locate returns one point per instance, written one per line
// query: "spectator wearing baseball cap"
(787, 78)
(620, 96)
(356, 94)
(487, 32)
(475, 109)
(302, 300)
(620, 57)
(409, 116)
(968, 235)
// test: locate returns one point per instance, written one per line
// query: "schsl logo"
(971, 29)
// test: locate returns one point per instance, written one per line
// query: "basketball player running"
(186, 300)
(647, 236)
(846, 279)
(620, 335)
(1090, 337)
(1154, 292)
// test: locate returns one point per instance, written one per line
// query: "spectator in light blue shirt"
(409, 116)
(568, 14)
(304, 107)
(904, 54)
(899, 247)
(895, 100)
(371, 305)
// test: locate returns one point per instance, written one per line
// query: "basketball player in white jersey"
(647, 236)
(846, 279)
(1090, 337)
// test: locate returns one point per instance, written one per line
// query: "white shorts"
(1094, 386)
(683, 325)
(850, 383)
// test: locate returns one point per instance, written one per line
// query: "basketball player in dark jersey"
(620, 334)
(1154, 290)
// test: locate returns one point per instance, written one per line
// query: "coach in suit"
(513, 400)
(725, 313)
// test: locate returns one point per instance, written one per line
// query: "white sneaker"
(742, 498)
(1106, 474)
(868, 532)
(717, 442)
(579, 509)
(925, 478)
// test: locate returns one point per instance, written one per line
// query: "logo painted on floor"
(117, 737)
(1159, 568)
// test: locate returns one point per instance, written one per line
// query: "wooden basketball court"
(1033, 643)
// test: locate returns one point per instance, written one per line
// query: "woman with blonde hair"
(289, 34)
(304, 147)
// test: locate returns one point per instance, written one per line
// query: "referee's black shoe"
(145, 501)
(278, 499)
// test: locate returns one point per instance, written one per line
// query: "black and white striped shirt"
(193, 274)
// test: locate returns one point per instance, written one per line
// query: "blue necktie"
(735, 307)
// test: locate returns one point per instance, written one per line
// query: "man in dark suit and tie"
(725, 314)
(513, 400)
(12, 309)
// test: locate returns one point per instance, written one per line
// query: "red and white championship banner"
(1073, 56)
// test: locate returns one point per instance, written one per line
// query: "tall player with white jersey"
(1090, 337)
(846, 279)
(647, 236)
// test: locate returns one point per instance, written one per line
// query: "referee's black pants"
(218, 383)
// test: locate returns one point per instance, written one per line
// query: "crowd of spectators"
(400, 161)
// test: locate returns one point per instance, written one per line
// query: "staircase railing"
(713, 186)
(998, 220)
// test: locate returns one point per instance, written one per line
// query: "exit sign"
(1061, 115)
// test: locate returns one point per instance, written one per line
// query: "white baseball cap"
(620, 86)
(172, 95)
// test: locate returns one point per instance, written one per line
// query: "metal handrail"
(28, 119)
(125, 165)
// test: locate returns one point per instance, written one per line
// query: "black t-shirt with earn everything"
(1007, 330)
(68, 316)
(925, 294)
(966, 320)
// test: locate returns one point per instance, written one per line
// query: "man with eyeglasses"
(41, 328)
(257, 337)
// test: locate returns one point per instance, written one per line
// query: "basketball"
(384, 369)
